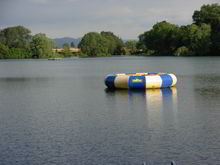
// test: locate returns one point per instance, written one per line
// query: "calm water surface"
(60, 112)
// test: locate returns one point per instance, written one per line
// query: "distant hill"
(61, 41)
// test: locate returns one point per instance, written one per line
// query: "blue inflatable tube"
(140, 80)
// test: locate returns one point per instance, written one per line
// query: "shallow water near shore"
(60, 112)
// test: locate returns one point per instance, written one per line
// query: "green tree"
(15, 37)
(93, 44)
(115, 44)
(3, 51)
(41, 46)
(66, 45)
(131, 46)
(182, 51)
(196, 38)
(141, 45)
(163, 39)
(210, 14)
(66, 50)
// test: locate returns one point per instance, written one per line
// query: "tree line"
(18, 43)
(201, 38)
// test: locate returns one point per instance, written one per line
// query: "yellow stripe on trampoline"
(121, 81)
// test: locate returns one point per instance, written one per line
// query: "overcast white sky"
(74, 18)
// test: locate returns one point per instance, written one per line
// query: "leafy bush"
(182, 51)
(3, 51)
(18, 53)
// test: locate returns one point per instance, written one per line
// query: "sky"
(74, 18)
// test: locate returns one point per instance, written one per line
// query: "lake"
(60, 112)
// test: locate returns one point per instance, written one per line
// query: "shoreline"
(78, 57)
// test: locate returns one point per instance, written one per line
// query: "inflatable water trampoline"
(140, 80)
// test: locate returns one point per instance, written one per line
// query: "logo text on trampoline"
(136, 80)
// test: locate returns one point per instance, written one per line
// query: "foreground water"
(59, 112)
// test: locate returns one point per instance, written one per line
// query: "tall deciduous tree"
(93, 44)
(41, 46)
(66, 50)
(196, 38)
(115, 44)
(163, 38)
(3, 51)
(131, 46)
(210, 14)
(101, 44)
(15, 37)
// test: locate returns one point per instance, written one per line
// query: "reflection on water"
(151, 113)
(159, 104)
(154, 99)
